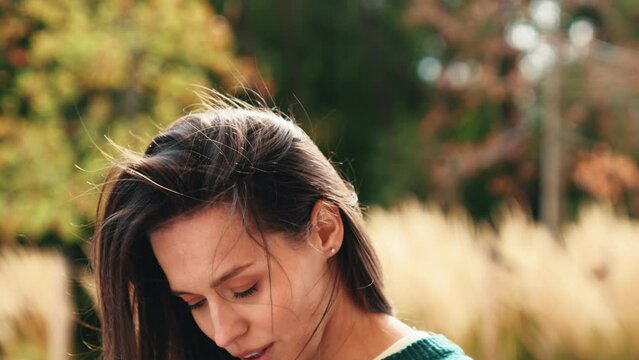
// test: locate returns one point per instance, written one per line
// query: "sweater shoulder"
(433, 347)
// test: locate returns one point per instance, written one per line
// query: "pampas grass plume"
(515, 291)
(35, 306)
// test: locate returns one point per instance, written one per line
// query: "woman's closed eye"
(196, 305)
(237, 295)
(246, 293)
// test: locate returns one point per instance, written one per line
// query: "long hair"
(255, 160)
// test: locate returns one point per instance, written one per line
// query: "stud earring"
(332, 250)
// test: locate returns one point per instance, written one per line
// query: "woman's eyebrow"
(228, 275)
(231, 273)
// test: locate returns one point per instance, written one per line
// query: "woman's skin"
(271, 309)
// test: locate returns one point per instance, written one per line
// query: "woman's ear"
(327, 233)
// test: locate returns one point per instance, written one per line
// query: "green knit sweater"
(435, 347)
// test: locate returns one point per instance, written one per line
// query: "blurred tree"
(73, 71)
(485, 61)
(345, 69)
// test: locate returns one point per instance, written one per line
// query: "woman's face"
(249, 306)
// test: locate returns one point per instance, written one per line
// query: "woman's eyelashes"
(237, 295)
(197, 305)
(246, 293)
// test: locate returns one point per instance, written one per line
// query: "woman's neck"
(353, 333)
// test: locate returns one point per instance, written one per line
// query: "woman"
(234, 237)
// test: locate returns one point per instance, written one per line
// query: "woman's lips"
(263, 354)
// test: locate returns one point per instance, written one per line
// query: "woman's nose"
(227, 324)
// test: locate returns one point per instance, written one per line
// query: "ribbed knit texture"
(436, 347)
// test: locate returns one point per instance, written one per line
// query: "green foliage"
(346, 70)
(75, 71)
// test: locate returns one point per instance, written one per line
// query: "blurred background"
(494, 141)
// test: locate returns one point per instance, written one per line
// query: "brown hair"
(255, 160)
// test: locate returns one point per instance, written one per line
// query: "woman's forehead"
(208, 233)
(193, 251)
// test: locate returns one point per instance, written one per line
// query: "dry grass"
(515, 292)
(35, 306)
